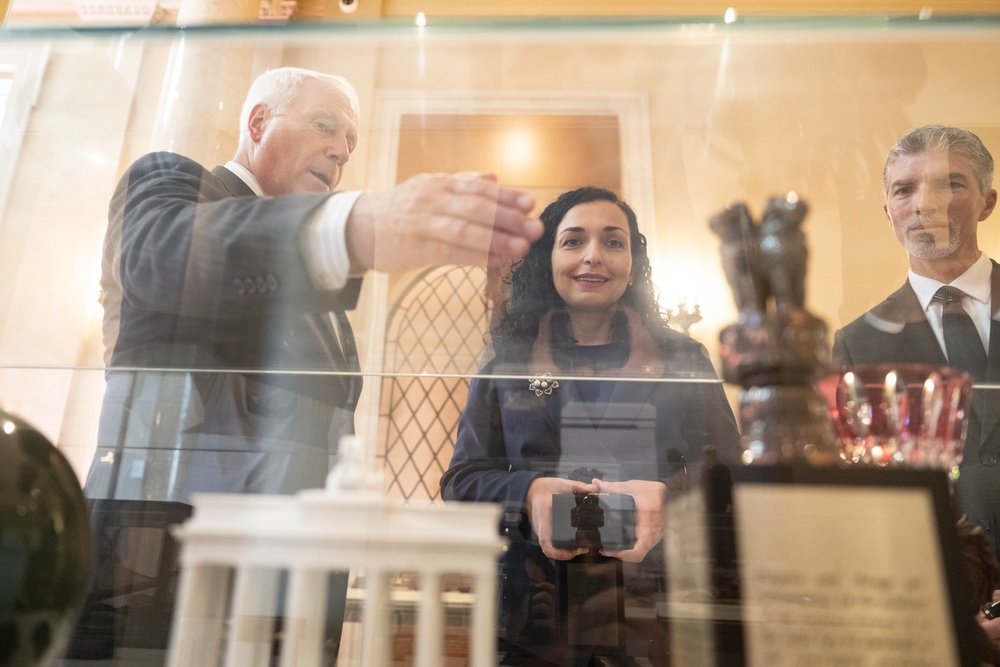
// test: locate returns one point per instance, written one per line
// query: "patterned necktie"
(961, 339)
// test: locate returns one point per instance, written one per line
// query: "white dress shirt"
(976, 282)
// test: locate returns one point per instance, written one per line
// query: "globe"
(45, 546)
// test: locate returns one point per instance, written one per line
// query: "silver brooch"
(543, 384)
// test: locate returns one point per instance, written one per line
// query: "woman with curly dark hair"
(589, 391)
(533, 292)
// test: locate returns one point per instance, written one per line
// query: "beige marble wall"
(748, 116)
(52, 228)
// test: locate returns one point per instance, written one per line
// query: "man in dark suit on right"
(937, 185)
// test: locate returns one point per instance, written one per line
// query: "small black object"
(593, 521)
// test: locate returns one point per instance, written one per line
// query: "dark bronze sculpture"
(783, 252)
(777, 349)
(741, 257)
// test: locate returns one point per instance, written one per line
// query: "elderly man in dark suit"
(231, 365)
(938, 188)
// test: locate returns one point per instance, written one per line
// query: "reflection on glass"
(699, 114)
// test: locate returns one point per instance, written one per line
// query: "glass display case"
(225, 389)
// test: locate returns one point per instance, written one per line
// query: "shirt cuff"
(324, 241)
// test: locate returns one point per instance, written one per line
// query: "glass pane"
(175, 334)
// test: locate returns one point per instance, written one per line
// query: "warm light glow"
(925, 13)
(730, 16)
(97, 159)
(678, 281)
(8, 427)
(421, 20)
(519, 147)
(694, 277)
(792, 198)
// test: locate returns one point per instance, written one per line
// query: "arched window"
(435, 336)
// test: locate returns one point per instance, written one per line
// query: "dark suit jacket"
(896, 331)
(621, 428)
(212, 296)
(508, 435)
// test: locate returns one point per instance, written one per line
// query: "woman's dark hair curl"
(533, 292)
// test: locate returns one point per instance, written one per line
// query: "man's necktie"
(961, 339)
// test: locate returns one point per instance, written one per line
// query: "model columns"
(244, 542)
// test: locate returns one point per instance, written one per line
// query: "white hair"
(277, 88)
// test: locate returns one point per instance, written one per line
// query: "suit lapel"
(918, 342)
(349, 348)
(341, 352)
(993, 369)
(991, 412)
(233, 183)
(900, 308)
(334, 329)
(991, 406)
(922, 345)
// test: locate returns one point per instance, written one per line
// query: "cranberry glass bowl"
(909, 415)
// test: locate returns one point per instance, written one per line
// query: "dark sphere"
(45, 546)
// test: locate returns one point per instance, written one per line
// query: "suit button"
(238, 284)
(261, 284)
(988, 459)
(249, 286)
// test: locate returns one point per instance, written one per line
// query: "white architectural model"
(234, 548)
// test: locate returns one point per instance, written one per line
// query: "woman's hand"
(991, 624)
(649, 499)
(539, 504)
